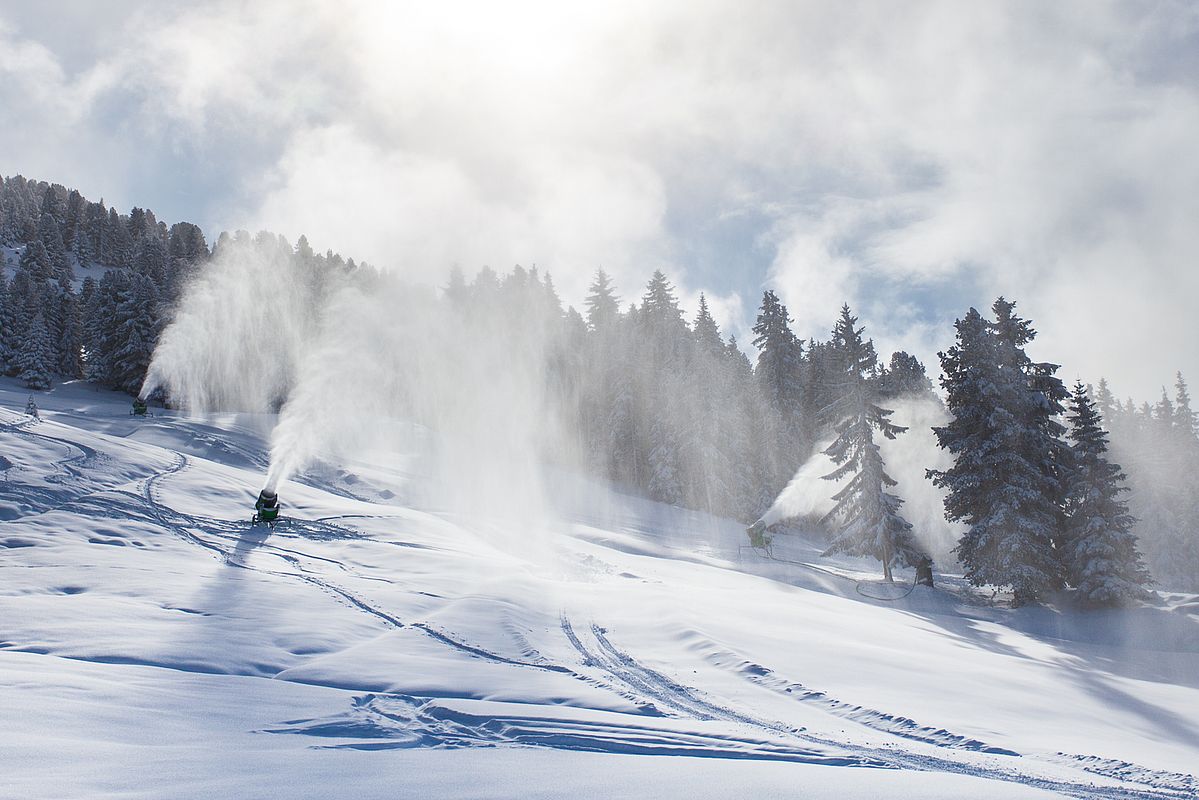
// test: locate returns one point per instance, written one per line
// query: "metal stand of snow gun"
(266, 508)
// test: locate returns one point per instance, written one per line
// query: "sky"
(913, 159)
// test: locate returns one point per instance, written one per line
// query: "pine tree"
(135, 335)
(779, 373)
(661, 316)
(706, 331)
(868, 515)
(7, 356)
(1186, 420)
(905, 377)
(664, 340)
(36, 261)
(455, 291)
(70, 341)
(1005, 482)
(56, 251)
(120, 245)
(1100, 551)
(36, 359)
(602, 305)
(708, 405)
(150, 259)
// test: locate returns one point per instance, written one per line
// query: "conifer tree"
(7, 357)
(135, 335)
(779, 373)
(36, 358)
(1005, 481)
(36, 261)
(869, 522)
(602, 305)
(455, 290)
(1186, 420)
(706, 331)
(1100, 551)
(56, 251)
(905, 377)
(70, 341)
(708, 405)
(664, 339)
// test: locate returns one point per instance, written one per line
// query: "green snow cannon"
(139, 407)
(758, 537)
(266, 508)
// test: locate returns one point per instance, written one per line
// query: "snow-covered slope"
(377, 644)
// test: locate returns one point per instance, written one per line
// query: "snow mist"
(357, 362)
(808, 497)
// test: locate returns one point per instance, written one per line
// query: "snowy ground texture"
(153, 644)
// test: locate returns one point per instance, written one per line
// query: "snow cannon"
(758, 537)
(924, 572)
(266, 508)
(139, 407)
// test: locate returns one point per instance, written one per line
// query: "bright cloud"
(909, 159)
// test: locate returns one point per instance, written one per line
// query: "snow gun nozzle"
(267, 499)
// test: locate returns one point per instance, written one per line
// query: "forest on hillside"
(663, 404)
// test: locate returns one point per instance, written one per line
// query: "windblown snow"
(379, 643)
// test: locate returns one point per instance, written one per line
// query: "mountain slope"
(377, 643)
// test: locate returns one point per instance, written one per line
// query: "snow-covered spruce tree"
(1099, 550)
(707, 407)
(135, 335)
(779, 373)
(56, 251)
(751, 466)
(36, 261)
(905, 377)
(601, 303)
(70, 338)
(1004, 484)
(120, 253)
(664, 341)
(5, 322)
(95, 225)
(1186, 419)
(36, 359)
(869, 522)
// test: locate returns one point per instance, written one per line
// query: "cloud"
(911, 160)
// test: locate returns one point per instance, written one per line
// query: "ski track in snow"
(382, 721)
(647, 682)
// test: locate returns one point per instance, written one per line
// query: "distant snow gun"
(266, 508)
(139, 408)
(31, 408)
(759, 538)
(924, 572)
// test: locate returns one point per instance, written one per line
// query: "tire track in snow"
(641, 679)
(1134, 773)
(649, 684)
(186, 526)
(881, 721)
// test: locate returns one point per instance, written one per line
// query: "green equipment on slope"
(758, 537)
(266, 508)
(139, 407)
